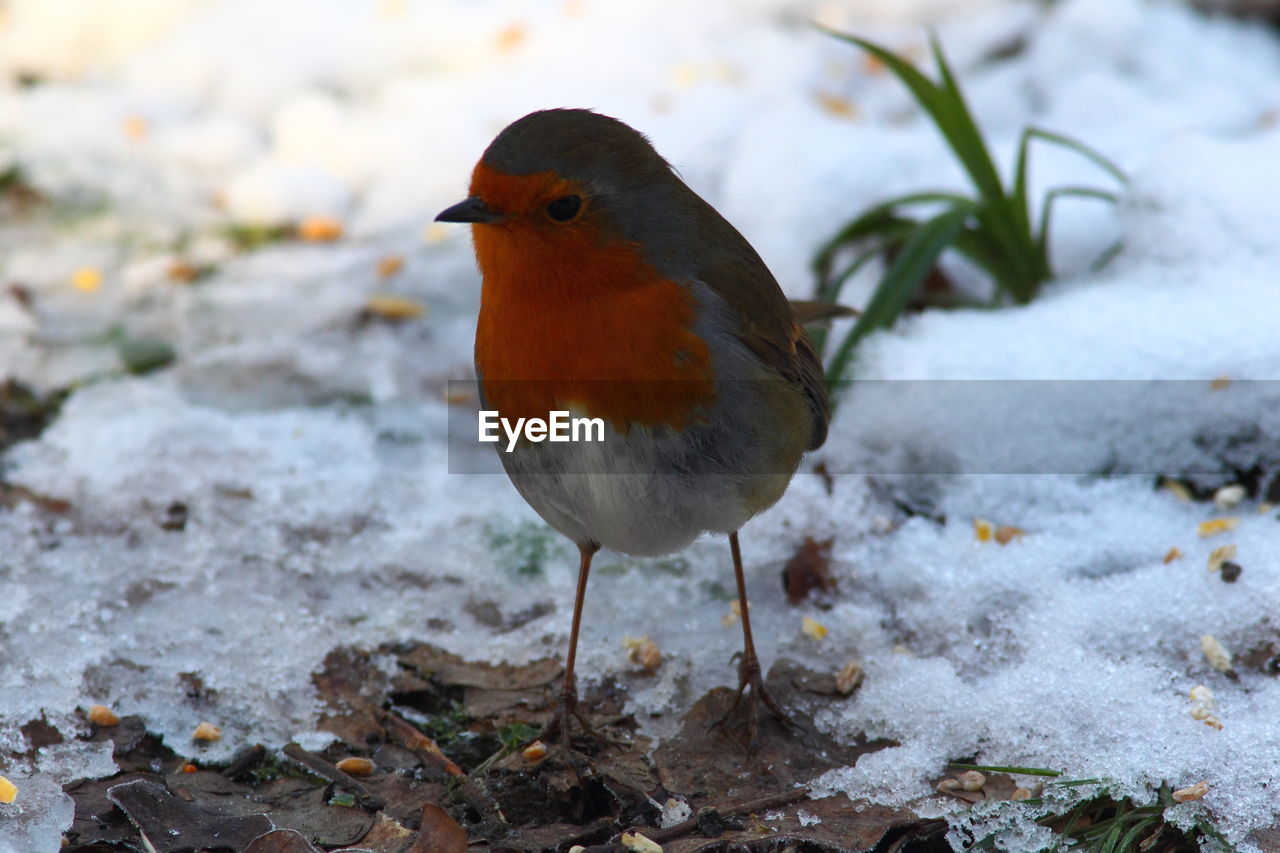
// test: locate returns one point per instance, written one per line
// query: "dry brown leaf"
(439, 833)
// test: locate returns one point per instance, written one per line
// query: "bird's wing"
(768, 325)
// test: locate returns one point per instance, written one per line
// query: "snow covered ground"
(308, 447)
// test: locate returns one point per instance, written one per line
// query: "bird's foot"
(751, 679)
(560, 730)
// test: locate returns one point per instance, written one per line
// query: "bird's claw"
(750, 676)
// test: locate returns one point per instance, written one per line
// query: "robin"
(612, 290)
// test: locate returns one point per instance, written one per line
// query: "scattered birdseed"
(734, 614)
(1178, 490)
(1020, 794)
(1174, 553)
(1194, 792)
(948, 785)
(535, 751)
(101, 715)
(637, 843)
(354, 766)
(1216, 653)
(1007, 533)
(1219, 382)
(849, 677)
(643, 651)
(1231, 571)
(1204, 706)
(389, 265)
(86, 279)
(1228, 496)
(1215, 526)
(983, 530)
(1220, 555)
(319, 229)
(971, 780)
(812, 628)
(391, 307)
(8, 790)
(207, 733)
(189, 768)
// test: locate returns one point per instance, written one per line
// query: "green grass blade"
(1090, 154)
(1046, 210)
(901, 281)
(962, 131)
(866, 223)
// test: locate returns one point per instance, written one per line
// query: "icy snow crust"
(309, 447)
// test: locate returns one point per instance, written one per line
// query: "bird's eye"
(564, 208)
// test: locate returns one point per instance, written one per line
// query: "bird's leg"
(749, 675)
(559, 726)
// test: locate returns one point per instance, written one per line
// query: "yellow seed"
(1194, 792)
(836, 105)
(1220, 555)
(637, 843)
(1202, 695)
(457, 396)
(1174, 553)
(510, 37)
(812, 628)
(319, 229)
(1020, 794)
(1216, 653)
(1213, 722)
(983, 530)
(391, 307)
(390, 265)
(101, 715)
(684, 75)
(971, 780)
(849, 677)
(1229, 496)
(734, 614)
(1219, 382)
(647, 655)
(86, 279)
(206, 733)
(136, 128)
(535, 751)
(182, 271)
(8, 790)
(1178, 490)
(435, 233)
(354, 766)
(1006, 534)
(1214, 526)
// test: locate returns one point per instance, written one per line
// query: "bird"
(612, 290)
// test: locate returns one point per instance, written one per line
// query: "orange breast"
(570, 320)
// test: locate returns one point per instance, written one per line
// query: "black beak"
(471, 210)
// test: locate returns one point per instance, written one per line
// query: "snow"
(326, 507)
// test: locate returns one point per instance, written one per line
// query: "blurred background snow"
(303, 434)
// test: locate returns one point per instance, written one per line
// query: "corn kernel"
(354, 766)
(1174, 553)
(1216, 653)
(535, 751)
(206, 733)
(637, 843)
(86, 279)
(8, 790)
(1220, 555)
(983, 530)
(101, 715)
(812, 628)
(319, 229)
(1194, 792)
(390, 307)
(1214, 526)
(390, 265)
